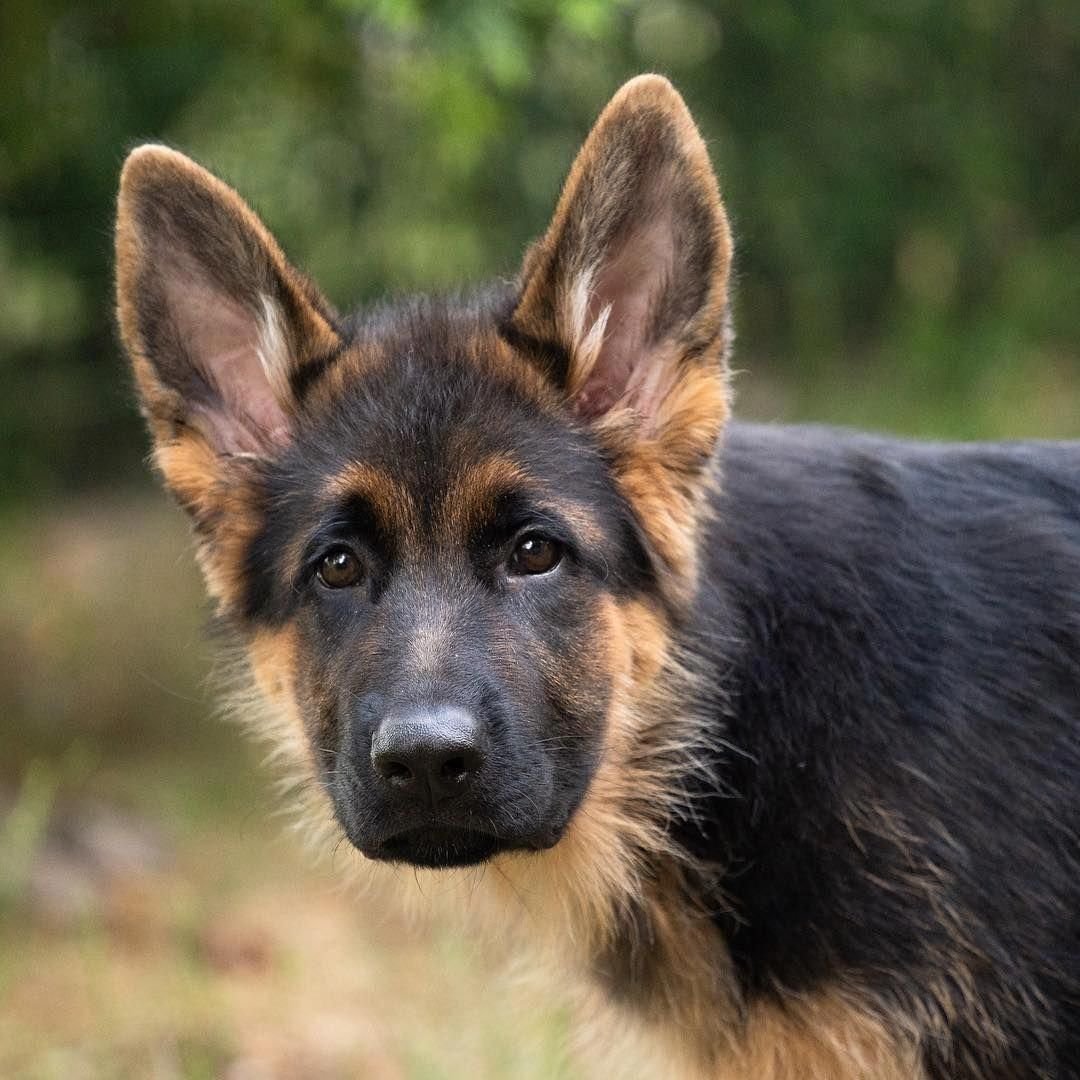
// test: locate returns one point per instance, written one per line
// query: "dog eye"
(535, 555)
(339, 568)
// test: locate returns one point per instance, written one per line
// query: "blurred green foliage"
(903, 177)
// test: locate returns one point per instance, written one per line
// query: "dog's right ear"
(219, 328)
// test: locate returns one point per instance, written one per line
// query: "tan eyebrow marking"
(472, 490)
(476, 486)
(392, 501)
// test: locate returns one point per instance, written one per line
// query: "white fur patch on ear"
(586, 338)
(272, 348)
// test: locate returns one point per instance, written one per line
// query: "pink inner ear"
(224, 339)
(629, 368)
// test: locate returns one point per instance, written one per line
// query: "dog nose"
(429, 755)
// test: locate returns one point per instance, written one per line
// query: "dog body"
(769, 735)
(902, 689)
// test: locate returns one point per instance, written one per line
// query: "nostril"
(396, 771)
(455, 769)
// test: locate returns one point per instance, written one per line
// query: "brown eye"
(339, 568)
(535, 555)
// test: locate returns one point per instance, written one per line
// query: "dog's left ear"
(624, 300)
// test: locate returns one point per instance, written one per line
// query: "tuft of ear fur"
(624, 300)
(218, 327)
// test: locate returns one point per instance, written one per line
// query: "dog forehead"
(450, 498)
(431, 449)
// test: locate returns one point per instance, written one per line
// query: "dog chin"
(437, 847)
(445, 847)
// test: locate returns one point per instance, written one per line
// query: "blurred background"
(904, 179)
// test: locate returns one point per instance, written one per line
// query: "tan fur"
(273, 657)
(216, 494)
(671, 503)
(390, 499)
(492, 355)
(821, 1037)
(473, 491)
(355, 362)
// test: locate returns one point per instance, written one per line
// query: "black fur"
(906, 621)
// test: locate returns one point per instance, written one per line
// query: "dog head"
(452, 536)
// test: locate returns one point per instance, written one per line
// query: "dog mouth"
(438, 847)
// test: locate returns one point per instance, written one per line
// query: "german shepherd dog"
(769, 736)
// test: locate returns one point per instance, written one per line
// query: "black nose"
(429, 755)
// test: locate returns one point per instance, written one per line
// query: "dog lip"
(435, 829)
(438, 846)
(441, 846)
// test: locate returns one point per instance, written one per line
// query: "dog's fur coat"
(782, 739)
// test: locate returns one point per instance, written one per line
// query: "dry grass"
(241, 961)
